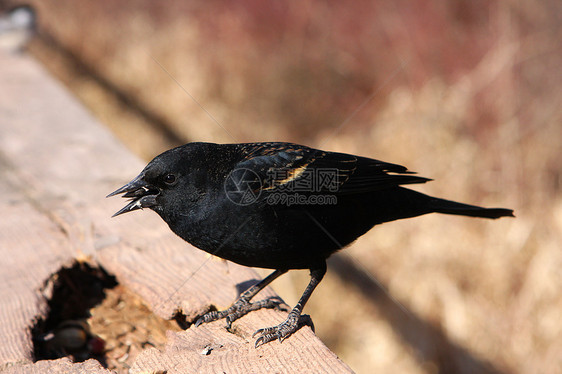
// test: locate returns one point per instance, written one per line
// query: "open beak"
(140, 193)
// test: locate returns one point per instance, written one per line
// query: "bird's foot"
(240, 308)
(281, 331)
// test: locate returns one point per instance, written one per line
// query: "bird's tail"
(452, 207)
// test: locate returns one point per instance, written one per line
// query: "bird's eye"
(169, 179)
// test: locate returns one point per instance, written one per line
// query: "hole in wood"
(91, 316)
(64, 330)
(181, 320)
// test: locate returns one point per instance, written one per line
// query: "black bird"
(280, 206)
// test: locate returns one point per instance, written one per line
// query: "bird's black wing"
(372, 175)
(279, 165)
(287, 166)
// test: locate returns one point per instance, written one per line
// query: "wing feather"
(281, 166)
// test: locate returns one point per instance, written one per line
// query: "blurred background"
(464, 92)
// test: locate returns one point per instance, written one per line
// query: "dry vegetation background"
(465, 92)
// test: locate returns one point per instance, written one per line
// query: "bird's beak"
(140, 193)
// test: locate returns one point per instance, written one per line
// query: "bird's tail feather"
(452, 207)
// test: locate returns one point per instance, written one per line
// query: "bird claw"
(240, 308)
(207, 317)
(281, 331)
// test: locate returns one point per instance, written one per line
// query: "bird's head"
(171, 182)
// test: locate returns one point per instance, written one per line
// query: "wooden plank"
(32, 248)
(62, 366)
(63, 163)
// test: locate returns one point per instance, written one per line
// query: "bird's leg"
(291, 324)
(243, 305)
